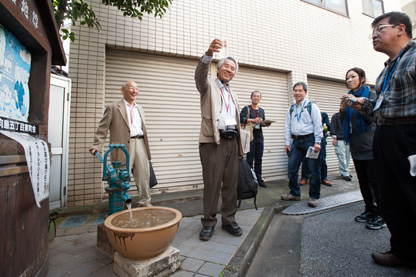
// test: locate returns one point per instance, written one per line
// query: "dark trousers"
(366, 175)
(256, 155)
(391, 147)
(298, 152)
(220, 174)
(323, 169)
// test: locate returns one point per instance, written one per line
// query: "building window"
(338, 6)
(373, 8)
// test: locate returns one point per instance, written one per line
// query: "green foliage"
(73, 10)
(78, 10)
(131, 8)
(67, 34)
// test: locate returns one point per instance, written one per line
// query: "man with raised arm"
(219, 141)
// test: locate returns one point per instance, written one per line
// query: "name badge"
(378, 103)
(230, 121)
(257, 126)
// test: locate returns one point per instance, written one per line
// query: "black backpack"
(247, 185)
(308, 108)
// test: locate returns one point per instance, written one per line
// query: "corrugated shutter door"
(168, 95)
(273, 87)
(171, 103)
(327, 94)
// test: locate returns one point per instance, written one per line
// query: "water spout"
(126, 198)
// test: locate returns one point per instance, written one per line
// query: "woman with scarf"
(358, 130)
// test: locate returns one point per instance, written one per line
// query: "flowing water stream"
(129, 207)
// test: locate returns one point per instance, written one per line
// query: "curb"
(240, 262)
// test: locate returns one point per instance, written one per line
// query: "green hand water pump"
(117, 178)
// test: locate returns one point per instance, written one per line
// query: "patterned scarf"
(361, 125)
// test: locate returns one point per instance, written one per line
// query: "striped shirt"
(400, 93)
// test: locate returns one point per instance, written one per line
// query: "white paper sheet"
(37, 158)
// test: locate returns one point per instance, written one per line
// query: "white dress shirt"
(300, 123)
(136, 126)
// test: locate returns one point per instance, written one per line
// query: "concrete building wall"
(286, 35)
(410, 10)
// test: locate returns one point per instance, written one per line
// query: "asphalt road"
(328, 243)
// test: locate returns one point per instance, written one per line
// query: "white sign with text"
(37, 158)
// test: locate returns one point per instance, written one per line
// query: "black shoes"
(262, 184)
(376, 223)
(365, 217)
(347, 178)
(233, 229)
(372, 221)
(206, 233)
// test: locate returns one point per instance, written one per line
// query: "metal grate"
(74, 221)
(324, 203)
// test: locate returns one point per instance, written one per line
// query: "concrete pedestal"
(102, 241)
(161, 265)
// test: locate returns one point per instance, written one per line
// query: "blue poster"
(15, 62)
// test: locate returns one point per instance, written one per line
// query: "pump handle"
(101, 159)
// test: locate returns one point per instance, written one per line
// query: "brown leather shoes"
(290, 197)
(388, 259)
(326, 183)
(302, 182)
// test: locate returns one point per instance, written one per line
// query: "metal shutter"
(171, 103)
(273, 87)
(327, 94)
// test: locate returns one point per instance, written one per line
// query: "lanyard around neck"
(254, 111)
(388, 76)
(298, 115)
(227, 106)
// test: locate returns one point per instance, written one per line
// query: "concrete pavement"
(73, 251)
(329, 243)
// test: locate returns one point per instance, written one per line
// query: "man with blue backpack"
(303, 133)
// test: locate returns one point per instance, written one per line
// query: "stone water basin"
(147, 234)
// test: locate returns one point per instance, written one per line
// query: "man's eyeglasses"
(380, 28)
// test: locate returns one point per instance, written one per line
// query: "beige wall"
(410, 10)
(287, 35)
